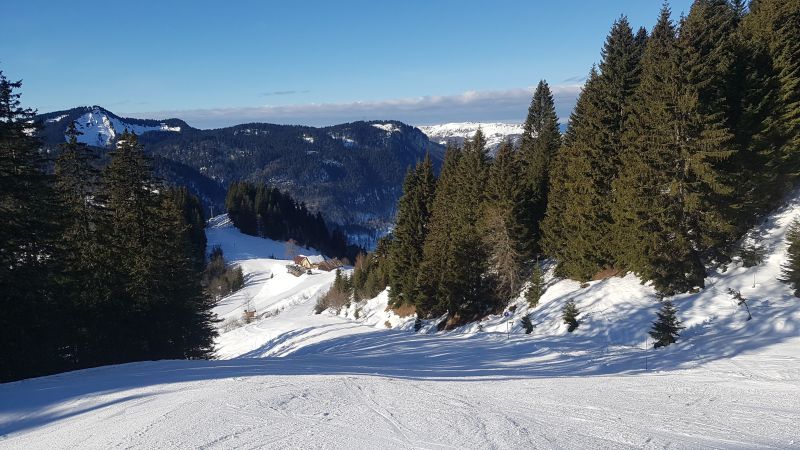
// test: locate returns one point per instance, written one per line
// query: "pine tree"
(666, 329)
(578, 228)
(537, 287)
(413, 215)
(437, 263)
(791, 268)
(541, 140)
(84, 221)
(668, 197)
(30, 329)
(773, 26)
(572, 233)
(569, 314)
(502, 225)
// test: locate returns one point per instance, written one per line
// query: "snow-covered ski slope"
(298, 380)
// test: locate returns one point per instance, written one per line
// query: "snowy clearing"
(294, 379)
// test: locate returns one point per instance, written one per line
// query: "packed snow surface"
(360, 378)
(100, 129)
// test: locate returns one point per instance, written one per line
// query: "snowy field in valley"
(293, 379)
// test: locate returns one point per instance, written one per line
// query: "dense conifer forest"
(96, 266)
(682, 138)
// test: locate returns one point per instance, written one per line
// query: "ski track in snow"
(295, 379)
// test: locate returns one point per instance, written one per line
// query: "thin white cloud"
(510, 105)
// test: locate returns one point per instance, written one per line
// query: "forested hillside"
(681, 140)
(351, 173)
(96, 266)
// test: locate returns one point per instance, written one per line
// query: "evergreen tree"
(502, 222)
(572, 233)
(86, 280)
(541, 140)
(537, 287)
(414, 210)
(669, 193)
(791, 268)
(159, 297)
(773, 26)
(569, 314)
(454, 275)
(666, 329)
(578, 228)
(437, 262)
(30, 330)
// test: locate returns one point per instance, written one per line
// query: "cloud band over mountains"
(509, 105)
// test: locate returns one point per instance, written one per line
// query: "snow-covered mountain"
(99, 126)
(458, 132)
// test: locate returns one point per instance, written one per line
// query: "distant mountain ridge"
(458, 132)
(352, 173)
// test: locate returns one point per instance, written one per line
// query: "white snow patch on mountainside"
(100, 129)
(387, 127)
(457, 133)
(347, 379)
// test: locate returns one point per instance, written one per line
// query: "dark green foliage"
(578, 229)
(541, 140)
(338, 296)
(408, 236)
(158, 289)
(264, 211)
(31, 333)
(666, 329)
(791, 268)
(219, 279)
(771, 33)
(569, 314)
(670, 194)
(573, 231)
(454, 276)
(502, 225)
(537, 287)
(94, 269)
(369, 275)
(527, 325)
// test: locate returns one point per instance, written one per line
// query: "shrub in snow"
(752, 254)
(527, 324)
(791, 268)
(666, 329)
(536, 288)
(570, 315)
(417, 324)
(740, 301)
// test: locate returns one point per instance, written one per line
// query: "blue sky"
(217, 63)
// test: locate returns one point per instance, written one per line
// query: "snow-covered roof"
(315, 259)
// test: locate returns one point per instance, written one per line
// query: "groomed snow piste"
(293, 379)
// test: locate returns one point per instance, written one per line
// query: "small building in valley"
(309, 262)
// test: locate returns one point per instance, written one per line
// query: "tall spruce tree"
(572, 232)
(437, 262)
(667, 196)
(578, 229)
(774, 26)
(413, 215)
(502, 223)
(541, 140)
(84, 221)
(164, 311)
(30, 330)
